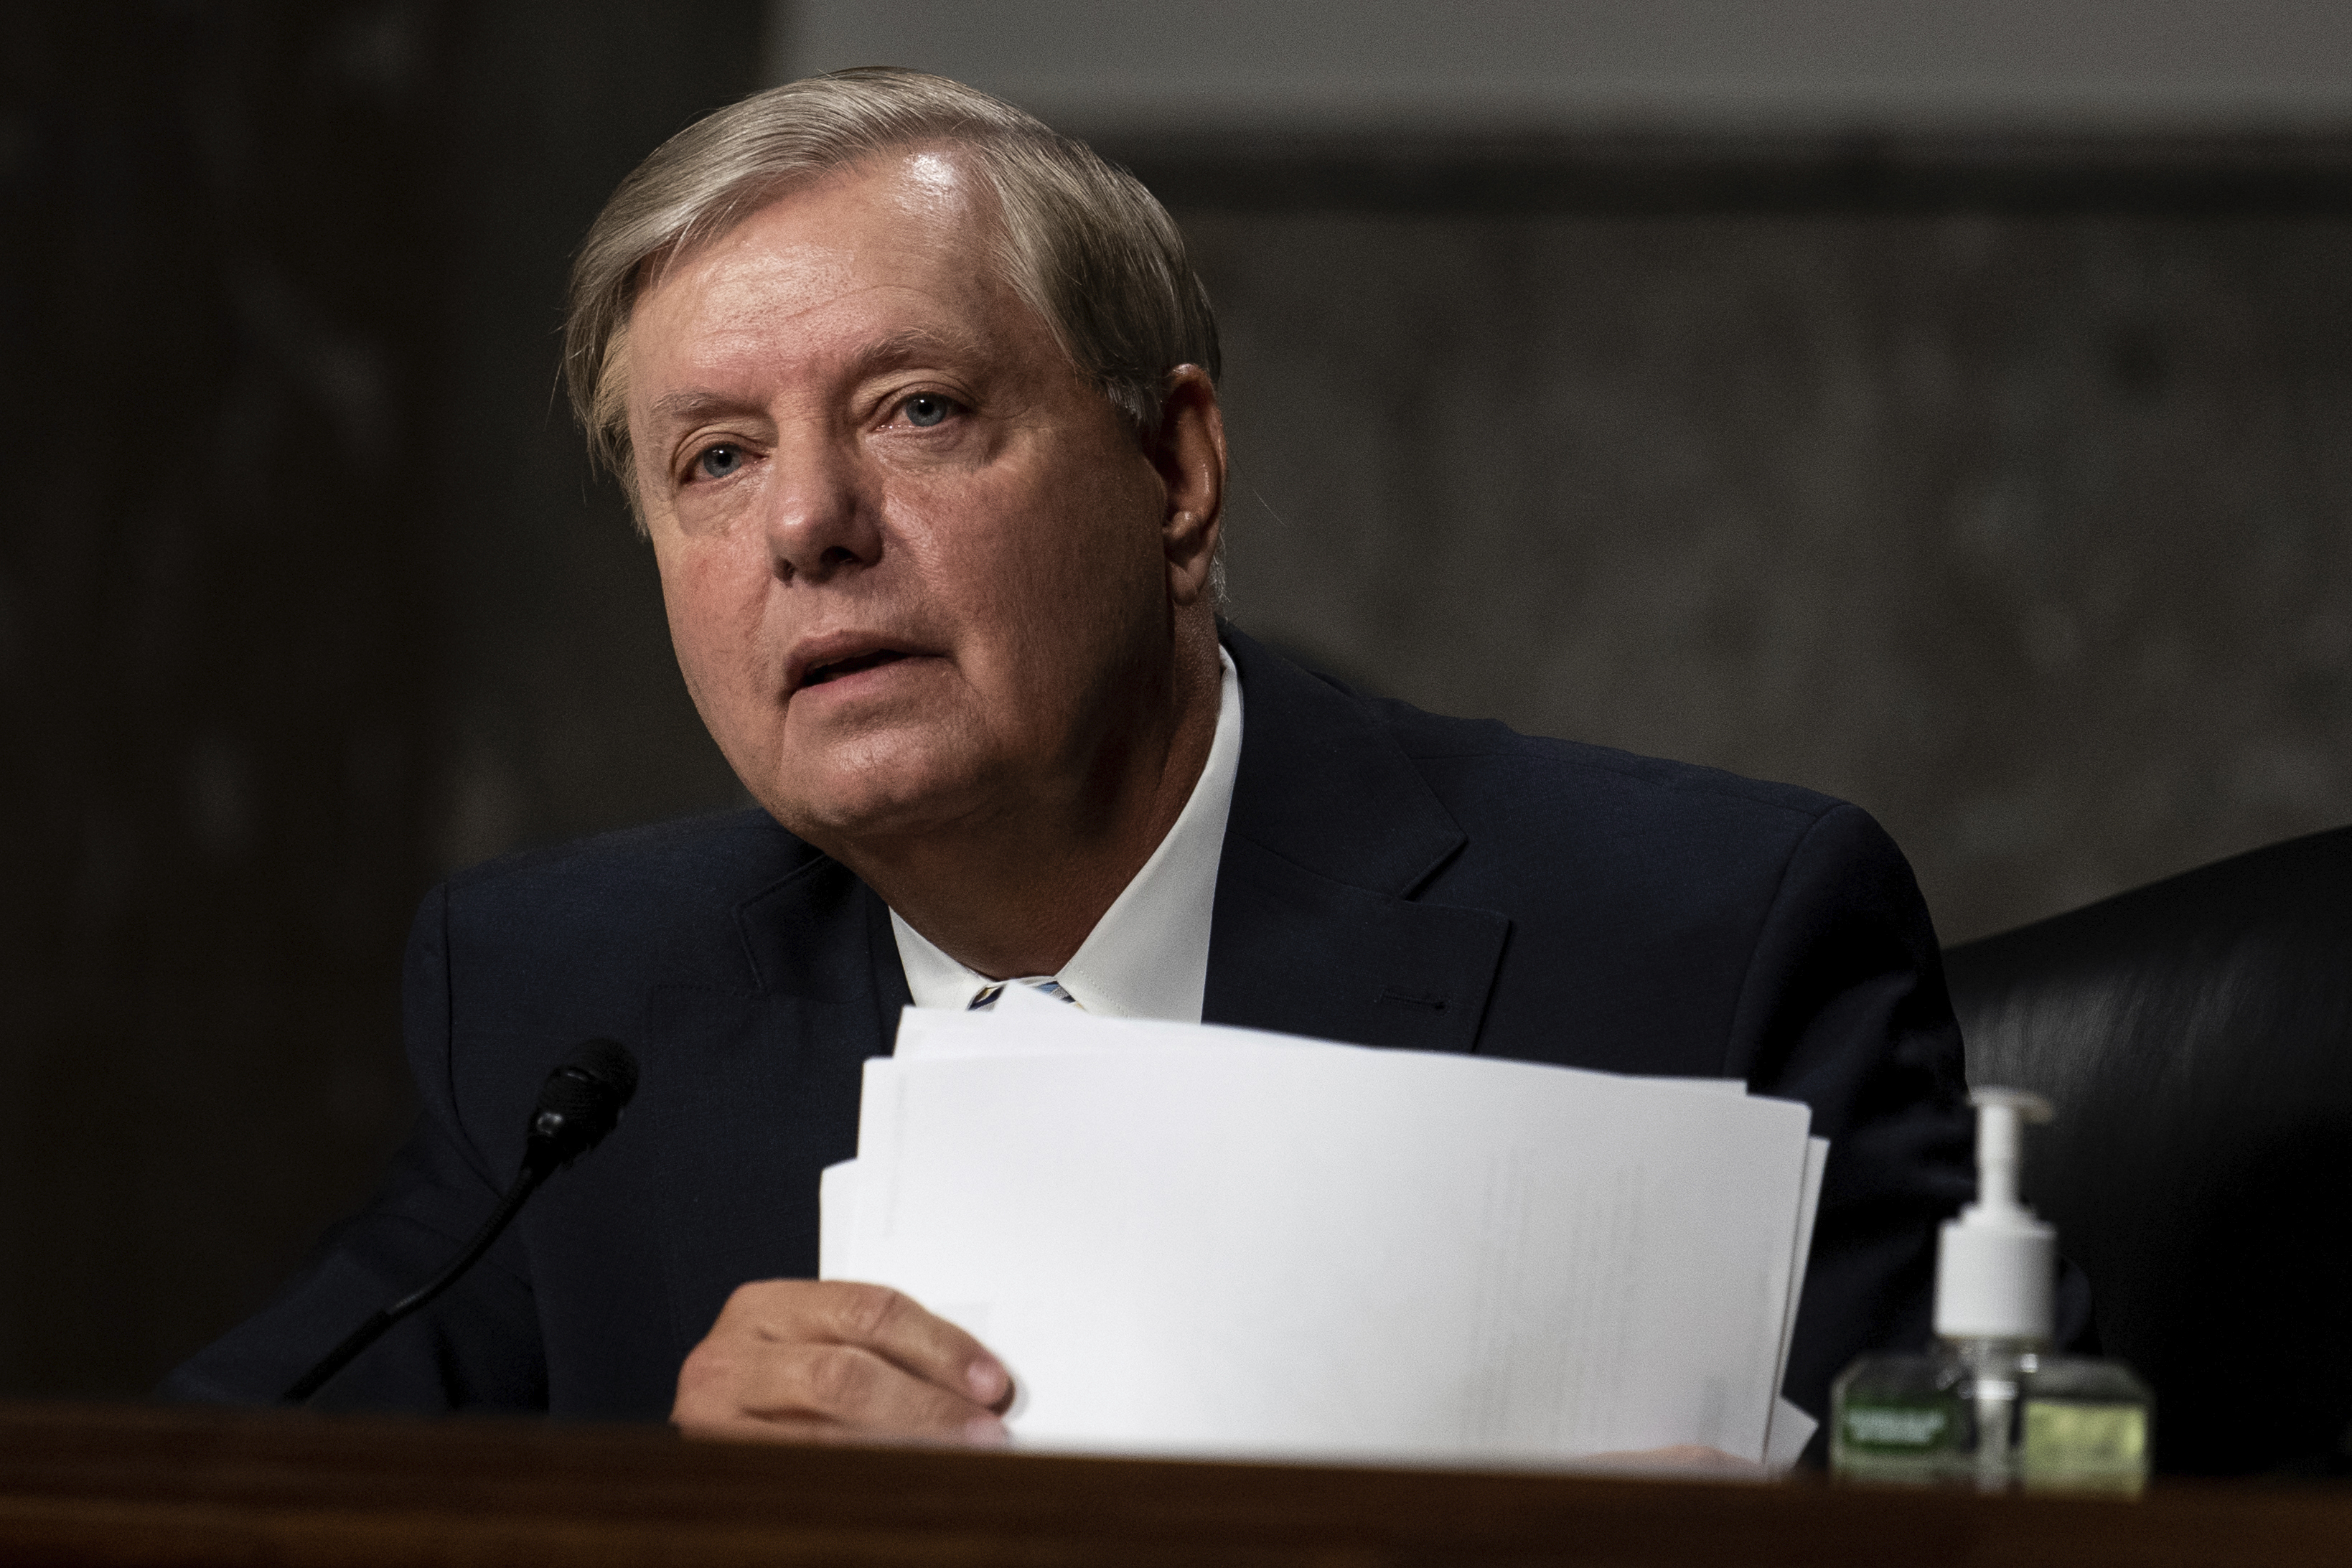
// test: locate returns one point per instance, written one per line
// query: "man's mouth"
(820, 673)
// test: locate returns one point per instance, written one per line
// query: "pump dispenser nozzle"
(1996, 1263)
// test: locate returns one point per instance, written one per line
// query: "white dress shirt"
(1148, 957)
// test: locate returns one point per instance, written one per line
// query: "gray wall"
(2029, 531)
(1118, 66)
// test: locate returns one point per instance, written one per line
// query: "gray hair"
(1080, 241)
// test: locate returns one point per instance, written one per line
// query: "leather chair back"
(2196, 1035)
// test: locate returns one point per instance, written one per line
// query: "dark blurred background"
(1945, 407)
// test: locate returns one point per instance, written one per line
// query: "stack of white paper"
(1186, 1240)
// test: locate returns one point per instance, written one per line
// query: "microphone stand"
(373, 1329)
(580, 1102)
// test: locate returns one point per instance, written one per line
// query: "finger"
(895, 1327)
(1688, 1459)
(857, 1389)
(742, 1428)
(741, 1383)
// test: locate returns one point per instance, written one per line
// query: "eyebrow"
(686, 407)
(915, 343)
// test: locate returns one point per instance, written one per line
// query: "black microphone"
(579, 1103)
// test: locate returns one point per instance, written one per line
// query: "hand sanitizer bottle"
(1991, 1406)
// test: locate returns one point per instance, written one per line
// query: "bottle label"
(2075, 1444)
(2065, 1431)
(1897, 1428)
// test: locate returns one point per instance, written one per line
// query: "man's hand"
(801, 1359)
(1694, 1460)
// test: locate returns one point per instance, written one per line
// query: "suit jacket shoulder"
(1637, 891)
(663, 895)
(738, 965)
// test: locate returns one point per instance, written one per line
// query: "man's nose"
(822, 516)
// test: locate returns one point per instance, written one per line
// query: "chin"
(872, 802)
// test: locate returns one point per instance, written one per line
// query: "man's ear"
(1188, 452)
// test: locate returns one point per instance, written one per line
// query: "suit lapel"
(1332, 831)
(755, 1090)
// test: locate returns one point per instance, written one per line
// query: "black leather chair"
(2196, 1036)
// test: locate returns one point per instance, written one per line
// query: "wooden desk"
(133, 1485)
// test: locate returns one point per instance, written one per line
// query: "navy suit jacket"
(1389, 878)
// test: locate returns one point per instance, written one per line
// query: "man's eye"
(926, 409)
(719, 462)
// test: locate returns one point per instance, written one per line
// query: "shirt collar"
(1148, 957)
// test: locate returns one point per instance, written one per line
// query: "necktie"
(1048, 986)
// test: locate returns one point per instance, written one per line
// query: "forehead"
(897, 250)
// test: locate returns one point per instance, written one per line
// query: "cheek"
(1065, 542)
(1102, 581)
(715, 600)
(1029, 596)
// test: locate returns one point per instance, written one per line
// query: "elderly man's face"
(913, 558)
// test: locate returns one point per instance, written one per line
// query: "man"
(915, 402)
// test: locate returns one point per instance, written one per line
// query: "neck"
(1020, 893)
